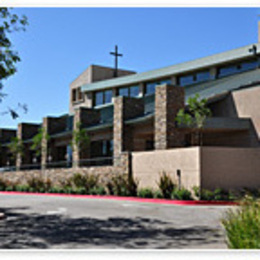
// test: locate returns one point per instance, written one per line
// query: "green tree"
(80, 138)
(16, 147)
(37, 141)
(194, 117)
(9, 23)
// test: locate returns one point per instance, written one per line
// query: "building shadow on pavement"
(34, 231)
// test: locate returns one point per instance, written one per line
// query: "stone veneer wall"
(168, 100)
(59, 175)
(125, 108)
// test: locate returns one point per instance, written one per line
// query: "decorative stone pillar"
(84, 117)
(124, 108)
(168, 101)
(44, 145)
(19, 156)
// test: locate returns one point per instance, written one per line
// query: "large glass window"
(134, 91)
(108, 96)
(124, 92)
(150, 87)
(103, 97)
(98, 98)
(237, 68)
(194, 78)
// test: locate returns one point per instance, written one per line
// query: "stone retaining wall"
(59, 175)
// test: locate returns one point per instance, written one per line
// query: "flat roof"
(206, 62)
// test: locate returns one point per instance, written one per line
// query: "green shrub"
(122, 185)
(88, 181)
(243, 225)
(98, 191)
(181, 194)
(166, 185)
(158, 195)
(9, 188)
(36, 184)
(145, 193)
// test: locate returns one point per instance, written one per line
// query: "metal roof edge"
(199, 63)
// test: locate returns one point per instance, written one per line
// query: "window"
(74, 95)
(124, 92)
(77, 95)
(237, 68)
(194, 78)
(132, 91)
(150, 87)
(103, 97)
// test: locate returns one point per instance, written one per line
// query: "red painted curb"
(144, 200)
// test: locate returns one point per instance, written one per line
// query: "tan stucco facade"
(207, 167)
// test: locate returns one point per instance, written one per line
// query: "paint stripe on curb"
(135, 199)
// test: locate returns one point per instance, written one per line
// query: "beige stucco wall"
(247, 104)
(230, 168)
(147, 166)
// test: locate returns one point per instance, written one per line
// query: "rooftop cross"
(116, 54)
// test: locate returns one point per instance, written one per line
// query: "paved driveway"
(65, 222)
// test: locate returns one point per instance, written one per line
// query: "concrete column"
(44, 148)
(174, 80)
(141, 90)
(114, 94)
(213, 73)
(84, 117)
(124, 108)
(168, 100)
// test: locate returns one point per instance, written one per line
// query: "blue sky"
(62, 42)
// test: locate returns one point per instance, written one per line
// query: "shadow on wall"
(31, 231)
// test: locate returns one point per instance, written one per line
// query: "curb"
(136, 199)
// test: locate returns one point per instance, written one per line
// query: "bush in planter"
(243, 225)
(98, 191)
(145, 193)
(88, 181)
(181, 194)
(36, 184)
(158, 195)
(166, 185)
(122, 185)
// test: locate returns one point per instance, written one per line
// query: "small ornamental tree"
(37, 141)
(80, 138)
(194, 116)
(16, 147)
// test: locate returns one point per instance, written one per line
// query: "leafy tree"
(9, 23)
(37, 141)
(16, 147)
(80, 138)
(194, 116)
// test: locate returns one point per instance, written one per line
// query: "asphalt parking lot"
(45, 222)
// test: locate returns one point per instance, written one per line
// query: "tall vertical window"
(77, 95)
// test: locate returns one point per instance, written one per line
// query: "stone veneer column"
(25, 131)
(168, 100)
(124, 108)
(20, 137)
(44, 148)
(86, 117)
